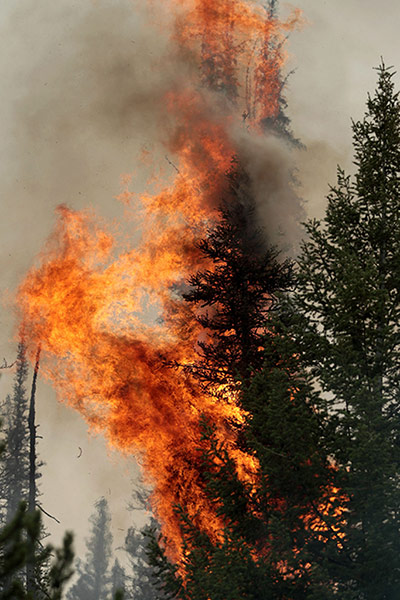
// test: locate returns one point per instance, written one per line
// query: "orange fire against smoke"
(87, 304)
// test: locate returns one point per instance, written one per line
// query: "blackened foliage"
(234, 297)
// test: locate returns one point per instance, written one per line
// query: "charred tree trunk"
(30, 568)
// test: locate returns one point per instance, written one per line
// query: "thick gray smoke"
(85, 83)
(269, 162)
(71, 110)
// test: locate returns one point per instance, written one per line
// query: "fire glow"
(84, 302)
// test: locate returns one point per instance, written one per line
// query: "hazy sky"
(69, 129)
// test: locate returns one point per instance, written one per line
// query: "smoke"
(269, 162)
(67, 112)
(83, 89)
(85, 94)
(101, 67)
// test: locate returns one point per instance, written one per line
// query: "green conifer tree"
(17, 539)
(20, 539)
(20, 467)
(347, 303)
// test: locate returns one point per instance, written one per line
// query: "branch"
(46, 513)
(5, 365)
(172, 164)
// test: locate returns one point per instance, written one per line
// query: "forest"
(311, 348)
(278, 468)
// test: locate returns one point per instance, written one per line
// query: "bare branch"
(46, 513)
(5, 364)
(172, 164)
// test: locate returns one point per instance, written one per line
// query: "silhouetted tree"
(17, 539)
(33, 574)
(142, 580)
(118, 579)
(234, 297)
(93, 573)
(20, 467)
(20, 540)
(15, 460)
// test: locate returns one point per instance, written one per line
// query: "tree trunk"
(30, 567)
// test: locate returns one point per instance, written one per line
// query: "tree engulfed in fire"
(84, 302)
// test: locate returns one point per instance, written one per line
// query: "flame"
(93, 308)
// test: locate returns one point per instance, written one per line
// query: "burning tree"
(322, 519)
(348, 308)
(251, 468)
(234, 296)
(83, 303)
(274, 515)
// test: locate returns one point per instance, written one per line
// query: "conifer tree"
(347, 303)
(15, 460)
(142, 581)
(269, 530)
(20, 466)
(19, 542)
(16, 541)
(34, 574)
(118, 578)
(93, 573)
(235, 296)
(274, 531)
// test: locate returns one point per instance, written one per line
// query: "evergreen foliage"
(267, 536)
(20, 467)
(118, 580)
(323, 409)
(272, 532)
(234, 297)
(347, 304)
(21, 548)
(317, 374)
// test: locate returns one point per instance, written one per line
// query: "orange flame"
(90, 308)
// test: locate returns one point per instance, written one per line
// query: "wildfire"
(87, 304)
